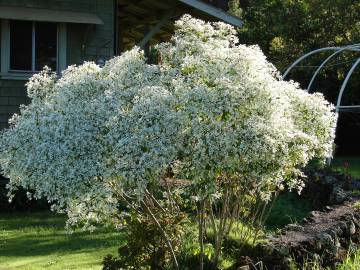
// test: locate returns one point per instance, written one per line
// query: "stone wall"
(324, 237)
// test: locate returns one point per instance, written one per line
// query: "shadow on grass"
(37, 234)
(21, 221)
(350, 164)
(288, 208)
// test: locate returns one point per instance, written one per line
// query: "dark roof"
(47, 15)
(137, 18)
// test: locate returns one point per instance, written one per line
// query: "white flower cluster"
(210, 108)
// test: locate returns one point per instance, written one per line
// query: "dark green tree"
(287, 29)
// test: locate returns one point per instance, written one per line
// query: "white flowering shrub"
(210, 108)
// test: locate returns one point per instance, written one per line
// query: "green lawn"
(39, 241)
(353, 162)
(288, 208)
(352, 262)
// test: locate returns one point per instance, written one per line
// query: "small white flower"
(210, 108)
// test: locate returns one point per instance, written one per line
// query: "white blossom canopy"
(210, 107)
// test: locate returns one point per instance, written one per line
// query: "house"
(58, 33)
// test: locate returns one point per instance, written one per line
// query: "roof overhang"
(47, 15)
(213, 11)
(148, 22)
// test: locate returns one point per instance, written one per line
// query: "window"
(32, 45)
(28, 46)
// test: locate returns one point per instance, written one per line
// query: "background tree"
(212, 113)
(285, 30)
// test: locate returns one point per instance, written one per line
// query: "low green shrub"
(145, 246)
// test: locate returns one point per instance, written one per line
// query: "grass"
(353, 165)
(352, 262)
(288, 208)
(30, 241)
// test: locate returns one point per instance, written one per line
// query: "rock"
(315, 214)
(356, 222)
(328, 208)
(333, 233)
(317, 245)
(351, 228)
(316, 257)
(326, 187)
(245, 263)
(338, 196)
(330, 179)
(287, 261)
(294, 227)
(284, 250)
(327, 242)
(342, 225)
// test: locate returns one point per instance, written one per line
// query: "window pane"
(45, 44)
(20, 45)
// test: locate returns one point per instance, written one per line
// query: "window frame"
(7, 73)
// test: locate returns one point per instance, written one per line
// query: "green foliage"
(145, 246)
(287, 29)
(189, 254)
(351, 262)
(313, 24)
(357, 205)
(234, 8)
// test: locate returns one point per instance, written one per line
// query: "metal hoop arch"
(337, 51)
(327, 60)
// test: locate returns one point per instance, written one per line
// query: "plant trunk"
(201, 233)
(219, 236)
(167, 241)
